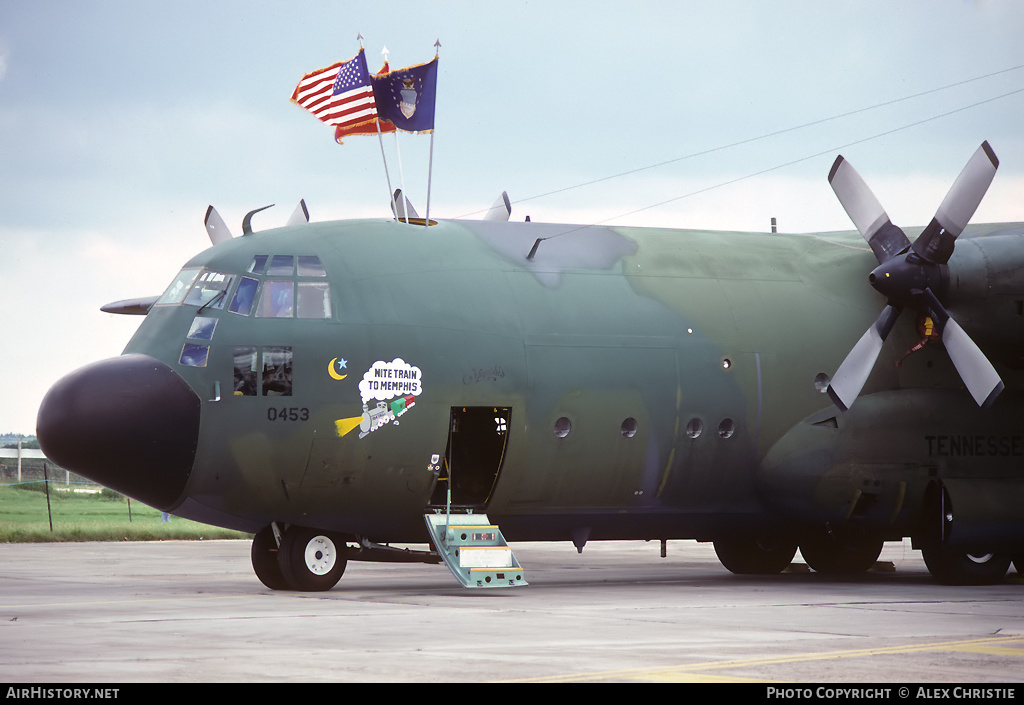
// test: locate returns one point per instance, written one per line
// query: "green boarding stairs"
(474, 550)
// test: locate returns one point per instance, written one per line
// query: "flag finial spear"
(359, 38)
(437, 47)
(384, 51)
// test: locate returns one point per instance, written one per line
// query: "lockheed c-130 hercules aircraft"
(339, 387)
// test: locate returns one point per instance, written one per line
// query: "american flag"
(340, 94)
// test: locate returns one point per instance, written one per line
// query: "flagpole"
(430, 163)
(401, 177)
(430, 171)
(387, 174)
(383, 156)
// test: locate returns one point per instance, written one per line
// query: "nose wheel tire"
(264, 560)
(311, 560)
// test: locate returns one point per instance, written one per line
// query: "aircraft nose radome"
(130, 423)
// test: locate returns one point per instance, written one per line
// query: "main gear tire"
(828, 554)
(754, 556)
(957, 568)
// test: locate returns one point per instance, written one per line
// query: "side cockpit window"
(245, 372)
(277, 372)
(245, 296)
(265, 371)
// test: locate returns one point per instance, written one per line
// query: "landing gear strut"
(264, 559)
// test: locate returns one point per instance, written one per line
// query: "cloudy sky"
(120, 121)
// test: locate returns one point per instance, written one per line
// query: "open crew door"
(477, 438)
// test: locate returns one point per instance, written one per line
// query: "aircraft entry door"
(477, 438)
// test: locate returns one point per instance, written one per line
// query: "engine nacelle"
(875, 468)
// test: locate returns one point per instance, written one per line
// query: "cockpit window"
(245, 296)
(314, 300)
(277, 372)
(272, 378)
(245, 372)
(298, 289)
(175, 293)
(258, 264)
(311, 266)
(202, 328)
(277, 300)
(194, 355)
(210, 291)
(281, 266)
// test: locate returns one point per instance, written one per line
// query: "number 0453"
(288, 413)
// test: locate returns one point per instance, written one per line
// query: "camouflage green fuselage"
(657, 383)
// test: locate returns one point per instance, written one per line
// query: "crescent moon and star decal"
(334, 367)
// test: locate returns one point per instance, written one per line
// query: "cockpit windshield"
(197, 287)
(175, 293)
(295, 286)
(210, 290)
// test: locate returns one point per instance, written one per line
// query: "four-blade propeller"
(909, 274)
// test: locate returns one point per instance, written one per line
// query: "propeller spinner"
(908, 275)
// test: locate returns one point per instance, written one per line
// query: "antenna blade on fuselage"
(300, 215)
(216, 228)
(501, 209)
(401, 207)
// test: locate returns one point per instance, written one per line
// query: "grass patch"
(90, 517)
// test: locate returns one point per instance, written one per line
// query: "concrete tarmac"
(194, 612)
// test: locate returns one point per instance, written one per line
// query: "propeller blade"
(300, 215)
(936, 242)
(886, 240)
(216, 228)
(978, 374)
(501, 209)
(849, 379)
(975, 370)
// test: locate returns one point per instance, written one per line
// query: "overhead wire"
(776, 133)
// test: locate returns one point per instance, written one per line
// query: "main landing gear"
(745, 555)
(948, 565)
(305, 559)
(832, 554)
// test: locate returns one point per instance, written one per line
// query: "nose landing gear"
(306, 559)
